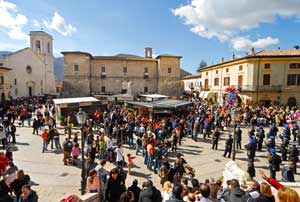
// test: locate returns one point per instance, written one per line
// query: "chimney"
(222, 59)
(233, 56)
(296, 47)
(148, 52)
(252, 51)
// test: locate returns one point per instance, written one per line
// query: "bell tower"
(41, 44)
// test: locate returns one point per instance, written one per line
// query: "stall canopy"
(165, 103)
(74, 100)
(152, 97)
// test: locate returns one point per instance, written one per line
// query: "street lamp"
(81, 118)
(235, 119)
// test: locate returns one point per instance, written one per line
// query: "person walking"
(238, 137)
(293, 157)
(216, 137)
(45, 137)
(228, 146)
(13, 130)
(274, 163)
(56, 139)
(35, 126)
(67, 147)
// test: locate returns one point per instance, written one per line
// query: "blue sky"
(194, 29)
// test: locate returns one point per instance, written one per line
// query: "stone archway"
(30, 88)
(292, 101)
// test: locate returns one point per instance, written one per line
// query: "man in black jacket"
(176, 193)
(28, 195)
(236, 194)
(228, 146)
(216, 136)
(150, 193)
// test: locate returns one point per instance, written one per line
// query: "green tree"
(203, 63)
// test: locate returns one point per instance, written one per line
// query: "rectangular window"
(42, 91)
(266, 79)
(76, 68)
(227, 70)
(169, 70)
(217, 71)
(103, 89)
(41, 82)
(226, 81)
(145, 89)
(295, 66)
(216, 82)
(1, 80)
(16, 91)
(124, 69)
(240, 80)
(267, 66)
(241, 68)
(206, 84)
(291, 79)
(146, 70)
(206, 73)
(15, 81)
(103, 68)
(298, 80)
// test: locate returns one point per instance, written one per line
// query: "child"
(75, 153)
(130, 162)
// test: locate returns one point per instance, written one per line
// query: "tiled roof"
(263, 53)
(292, 52)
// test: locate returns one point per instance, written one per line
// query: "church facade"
(87, 75)
(31, 68)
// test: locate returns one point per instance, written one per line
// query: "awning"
(201, 94)
(74, 100)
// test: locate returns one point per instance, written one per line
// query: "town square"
(149, 101)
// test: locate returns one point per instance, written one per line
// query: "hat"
(272, 150)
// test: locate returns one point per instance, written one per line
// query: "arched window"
(28, 69)
(38, 45)
(48, 47)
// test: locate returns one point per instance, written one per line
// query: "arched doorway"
(292, 102)
(30, 91)
(2, 96)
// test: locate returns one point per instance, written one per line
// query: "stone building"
(4, 83)
(266, 77)
(87, 75)
(31, 68)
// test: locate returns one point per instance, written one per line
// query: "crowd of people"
(107, 130)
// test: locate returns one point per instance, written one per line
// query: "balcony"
(205, 88)
(251, 88)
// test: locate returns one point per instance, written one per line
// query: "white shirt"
(166, 196)
(119, 152)
(109, 144)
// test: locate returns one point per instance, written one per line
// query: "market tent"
(152, 97)
(165, 103)
(74, 100)
(170, 103)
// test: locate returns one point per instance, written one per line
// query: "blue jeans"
(57, 144)
(149, 161)
(157, 165)
(45, 145)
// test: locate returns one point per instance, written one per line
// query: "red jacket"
(3, 163)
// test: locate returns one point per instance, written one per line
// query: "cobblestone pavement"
(52, 180)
